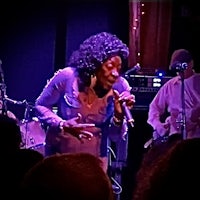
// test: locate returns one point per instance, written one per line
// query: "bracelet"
(116, 121)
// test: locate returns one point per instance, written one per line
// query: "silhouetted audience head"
(175, 175)
(10, 134)
(68, 176)
(15, 162)
(17, 165)
(24, 160)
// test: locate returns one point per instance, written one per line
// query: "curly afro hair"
(97, 49)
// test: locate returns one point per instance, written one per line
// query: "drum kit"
(33, 135)
(32, 132)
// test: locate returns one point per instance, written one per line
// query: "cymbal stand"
(3, 99)
(26, 120)
(3, 91)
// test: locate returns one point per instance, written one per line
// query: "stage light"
(160, 73)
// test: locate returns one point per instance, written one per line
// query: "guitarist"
(169, 98)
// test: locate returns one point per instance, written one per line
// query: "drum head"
(33, 135)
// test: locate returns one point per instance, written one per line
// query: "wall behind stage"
(26, 49)
(37, 38)
(85, 18)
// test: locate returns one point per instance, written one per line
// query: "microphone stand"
(180, 67)
(182, 121)
(27, 111)
(26, 122)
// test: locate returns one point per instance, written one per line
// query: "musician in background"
(165, 112)
(169, 98)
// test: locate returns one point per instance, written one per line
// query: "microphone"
(128, 114)
(134, 69)
(179, 66)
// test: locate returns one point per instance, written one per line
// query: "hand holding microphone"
(128, 114)
(123, 103)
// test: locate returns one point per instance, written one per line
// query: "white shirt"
(170, 97)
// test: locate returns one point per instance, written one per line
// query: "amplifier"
(145, 87)
(145, 81)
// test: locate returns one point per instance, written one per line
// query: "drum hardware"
(33, 134)
(3, 91)
(14, 101)
(32, 140)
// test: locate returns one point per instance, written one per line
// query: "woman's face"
(108, 73)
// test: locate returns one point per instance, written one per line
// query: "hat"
(180, 55)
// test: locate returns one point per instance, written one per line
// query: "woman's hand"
(77, 129)
(126, 97)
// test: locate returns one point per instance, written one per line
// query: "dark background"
(185, 26)
(37, 38)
